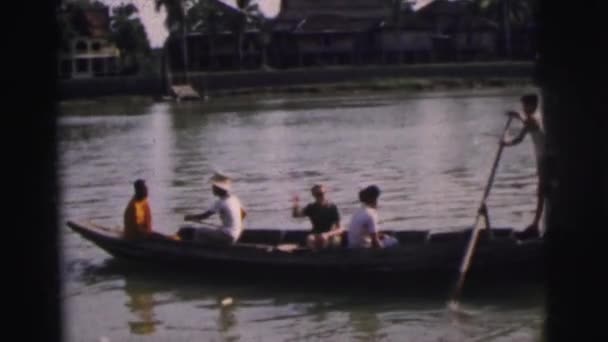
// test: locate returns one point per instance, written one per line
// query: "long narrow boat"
(281, 253)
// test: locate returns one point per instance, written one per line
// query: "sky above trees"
(154, 21)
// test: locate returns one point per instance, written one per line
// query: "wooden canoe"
(419, 255)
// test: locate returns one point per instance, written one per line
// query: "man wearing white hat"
(230, 210)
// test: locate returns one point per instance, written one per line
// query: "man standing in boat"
(324, 217)
(230, 210)
(137, 217)
(532, 125)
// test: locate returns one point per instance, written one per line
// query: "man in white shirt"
(231, 214)
(532, 126)
(363, 231)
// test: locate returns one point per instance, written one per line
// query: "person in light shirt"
(363, 230)
(230, 210)
(532, 126)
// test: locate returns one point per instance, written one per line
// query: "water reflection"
(141, 305)
(194, 306)
(365, 325)
(430, 154)
(227, 321)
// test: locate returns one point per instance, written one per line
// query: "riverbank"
(374, 88)
(319, 80)
(381, 85)
(328, 96)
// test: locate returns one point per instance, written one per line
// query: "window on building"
(81, 46)
(65, 47)
(65, 67)
(112, 66)
(325, 41)
(82, 65)
(98, 66)
(96, 46)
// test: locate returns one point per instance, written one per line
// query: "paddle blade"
(457, 314)
(227, 301)
(453, 305)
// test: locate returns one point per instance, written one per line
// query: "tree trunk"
(240, 49)
(265, 56)
(166, 69)
(507, 27)
(185, 53)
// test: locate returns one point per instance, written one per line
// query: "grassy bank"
(380, 85)
(411, 78)
(303, 96)
(400, 86)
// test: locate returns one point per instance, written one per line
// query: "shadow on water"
(244, 104)
(141, 304)
(433, 162)
(324, 310)
(385, 289)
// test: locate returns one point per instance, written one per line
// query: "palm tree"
(240, 25)
(178, 20)
(176, 24)
(398, 7)
(129, 35)
(255, 17)
(508, 13)
(204, 17)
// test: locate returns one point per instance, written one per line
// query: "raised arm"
(336, 228)
(517, 139)
(296, 211)
(516, 115)
(337, 214)
(146, 226)
(374, 231)
(522, 133)
(199, 217)
(376, 240)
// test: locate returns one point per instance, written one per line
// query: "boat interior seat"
(496, 233)
(261, 236)
(294, 237)
(450, 236)
(254, 246)
(288, 247)
(466, 234)
(412, 236)
(503, 232)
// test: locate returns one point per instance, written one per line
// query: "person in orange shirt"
(137, 218)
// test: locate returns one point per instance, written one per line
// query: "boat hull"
(434, 259)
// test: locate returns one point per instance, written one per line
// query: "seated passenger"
(363, 231)
(324, 217)
(231, 213)
(137, 217)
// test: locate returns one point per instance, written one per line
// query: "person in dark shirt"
(324, 217)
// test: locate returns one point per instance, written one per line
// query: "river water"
(430, 153)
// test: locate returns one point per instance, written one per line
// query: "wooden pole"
(466, 260)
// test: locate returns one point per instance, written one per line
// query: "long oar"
(466, 260)
(207, 223)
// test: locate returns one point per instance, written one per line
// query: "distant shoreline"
(409, 78)
(403, 87)
(393, 84)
